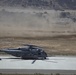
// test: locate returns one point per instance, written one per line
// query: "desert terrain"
(54, 31)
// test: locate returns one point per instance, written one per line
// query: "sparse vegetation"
(65, 14)
(68, 15)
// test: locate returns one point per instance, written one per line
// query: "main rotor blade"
(33, 62)
(49, 61)
(10, 50)
(31, 45)
(10, 58)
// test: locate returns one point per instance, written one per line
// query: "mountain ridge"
(42, 4)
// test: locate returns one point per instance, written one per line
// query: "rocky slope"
(46, 4)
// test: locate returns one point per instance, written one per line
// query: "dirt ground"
(59, 45)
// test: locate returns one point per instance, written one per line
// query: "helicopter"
(27, 52)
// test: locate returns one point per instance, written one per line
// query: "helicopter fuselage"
(27, 53)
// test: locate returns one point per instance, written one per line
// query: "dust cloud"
(19, 22)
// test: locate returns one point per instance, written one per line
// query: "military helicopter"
(27, 52)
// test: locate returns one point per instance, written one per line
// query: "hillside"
(42, 4)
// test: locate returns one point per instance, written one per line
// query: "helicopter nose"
(44, 53)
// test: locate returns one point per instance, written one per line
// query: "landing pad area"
(58, 64)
